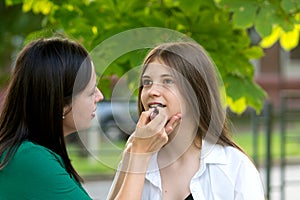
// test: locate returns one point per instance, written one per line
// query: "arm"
(148, 138)
(131, 177)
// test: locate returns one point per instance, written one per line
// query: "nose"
(154, 90)
(98, 96)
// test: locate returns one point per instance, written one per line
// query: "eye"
(168, 81)
(93, 92)
(146, 82)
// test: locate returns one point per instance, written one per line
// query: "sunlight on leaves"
(289, 40)
(238, 106)
(95, 30)
(38, 6)
(271, 39)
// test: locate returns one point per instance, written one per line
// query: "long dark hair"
(199, 85)
(41, 84)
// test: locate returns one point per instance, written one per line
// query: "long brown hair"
(199, 79)
(41, 85)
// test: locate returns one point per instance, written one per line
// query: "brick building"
(279, 71)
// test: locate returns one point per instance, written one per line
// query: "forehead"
(157, 67)
(94, 75)
(93, 78)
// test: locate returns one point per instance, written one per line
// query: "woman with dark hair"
(53, 85)
(200, 159)
(52, 92)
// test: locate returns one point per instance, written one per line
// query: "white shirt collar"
(210, 154)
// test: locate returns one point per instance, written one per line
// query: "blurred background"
(255, 45)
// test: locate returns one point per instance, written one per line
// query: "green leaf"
(254, 52)
(269, 40)
(244, 12)
(238, 88)
(290, 6)
(263, 22)
(244, 19)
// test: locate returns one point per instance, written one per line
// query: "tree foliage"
(220, 26)
(14, 26)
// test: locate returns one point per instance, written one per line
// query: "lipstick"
(154, 113)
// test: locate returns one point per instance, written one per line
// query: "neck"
(182, 142)
(167, 158)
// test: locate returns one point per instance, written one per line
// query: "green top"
(36, 172)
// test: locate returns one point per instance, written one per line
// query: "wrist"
(135, 162)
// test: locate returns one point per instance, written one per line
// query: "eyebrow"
(162, 76)
(94, 87)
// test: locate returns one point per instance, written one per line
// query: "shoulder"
(41, 174)
(237, 161)
(236, 156)
(230, 161)
(36, 153)
(223, 155)
(247, 179)
(32, 159)
(231, 166)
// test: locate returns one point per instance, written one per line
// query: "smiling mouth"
(157, 105)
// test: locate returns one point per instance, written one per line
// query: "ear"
(67, 109)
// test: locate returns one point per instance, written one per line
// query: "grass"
(105, 160)
(245, 140)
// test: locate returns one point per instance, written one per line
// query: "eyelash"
(148, 82)
(93, 93)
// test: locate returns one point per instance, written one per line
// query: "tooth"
(157, 105)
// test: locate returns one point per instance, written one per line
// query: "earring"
(63, 117)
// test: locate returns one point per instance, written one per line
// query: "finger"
(164, 138)
(160, 120)
(173, 122)
(128, 147)
(144, 119)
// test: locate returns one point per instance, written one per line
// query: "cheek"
(178, 102)
(82, 109)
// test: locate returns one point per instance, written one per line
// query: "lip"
(94, 112)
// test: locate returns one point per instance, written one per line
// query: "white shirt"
(225, 173)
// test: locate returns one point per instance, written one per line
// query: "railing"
(264, 119)
(289, 111)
